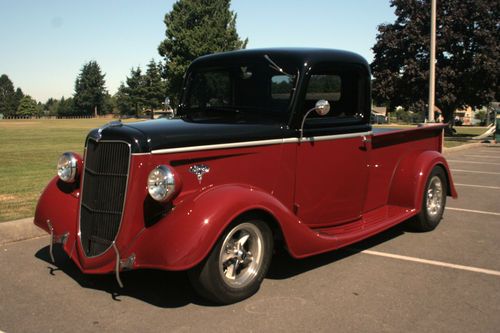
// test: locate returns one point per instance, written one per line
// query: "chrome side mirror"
(322, 107)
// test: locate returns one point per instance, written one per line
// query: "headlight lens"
(161, 183)
(67, 166)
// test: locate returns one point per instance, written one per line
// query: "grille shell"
(104, 188)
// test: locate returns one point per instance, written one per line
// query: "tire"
(237, 264)
(433, 202)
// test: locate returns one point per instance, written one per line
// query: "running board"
(370, 223)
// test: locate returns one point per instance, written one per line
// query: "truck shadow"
(284, 266)
(173, 290)
(159, 288)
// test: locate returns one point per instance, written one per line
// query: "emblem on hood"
(115, 123)
(199, 170)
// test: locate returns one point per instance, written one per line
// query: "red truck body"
(317, 190)
(378, 188)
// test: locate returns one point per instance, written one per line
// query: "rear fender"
(411, 175)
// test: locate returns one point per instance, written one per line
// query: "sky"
(44, 43)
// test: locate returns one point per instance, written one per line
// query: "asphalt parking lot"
(447, 280)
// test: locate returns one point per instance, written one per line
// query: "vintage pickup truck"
(270, 148)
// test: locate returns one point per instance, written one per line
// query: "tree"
(154, 87)
(28, 107)
(109, 104)
(90, 90)
(467, 55)
(65, 107)
(50, 107)
(7, 96)
(135, 89)
(196, 28)
(18, 96)
(123, 101)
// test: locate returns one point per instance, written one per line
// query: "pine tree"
(18, 96)
(467, 57)
(65, 107)
(7, 97)
(90, 90)
(123, 101)
(28, 107)
(50, 107)
(196, 28)
(154, 87)
(136, 89)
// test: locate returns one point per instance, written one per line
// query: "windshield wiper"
(274, 66)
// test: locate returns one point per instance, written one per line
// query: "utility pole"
(432, 69)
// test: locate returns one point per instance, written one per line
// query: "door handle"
(366, 141)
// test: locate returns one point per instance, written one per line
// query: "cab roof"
(300, 56)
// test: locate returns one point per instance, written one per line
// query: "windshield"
(245, 88)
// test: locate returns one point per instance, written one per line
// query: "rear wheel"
(237, 264)
(433, 202)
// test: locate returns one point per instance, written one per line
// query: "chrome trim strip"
(124, 198)
(260, 143)
(335, 137)
(219, 146)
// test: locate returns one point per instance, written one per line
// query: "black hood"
(156, 134)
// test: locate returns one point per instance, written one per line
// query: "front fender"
(58, 203)
(411, 175)
(187, 234)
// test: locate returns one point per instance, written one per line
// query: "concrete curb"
(18, 230)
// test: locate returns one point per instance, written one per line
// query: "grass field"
(29, 150)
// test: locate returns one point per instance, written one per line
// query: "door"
(331, 169)
(332, 177)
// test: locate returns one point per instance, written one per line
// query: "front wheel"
(433, 202)
(237, 264)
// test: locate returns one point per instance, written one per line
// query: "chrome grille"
(103, 194)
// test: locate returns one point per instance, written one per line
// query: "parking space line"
(480, 186)
(475, 171)
(433, 262)
(473, 162)
(485, 156)
(472, 211)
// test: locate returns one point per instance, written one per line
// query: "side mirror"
(322, 107)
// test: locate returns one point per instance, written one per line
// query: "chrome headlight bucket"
(67, 167)
(162, 183)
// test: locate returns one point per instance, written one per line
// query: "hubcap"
(240, 258)
(434, 196)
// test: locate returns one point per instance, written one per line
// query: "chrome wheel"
(434, 202)
(240, 257)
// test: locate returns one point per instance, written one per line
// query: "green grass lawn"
(29, 150)
(469, 131)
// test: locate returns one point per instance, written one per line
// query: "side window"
(343, 88)
(324, 87)
(281, 86)
(210, 89)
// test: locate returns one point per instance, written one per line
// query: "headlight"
(67, 166)
(161, 183)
